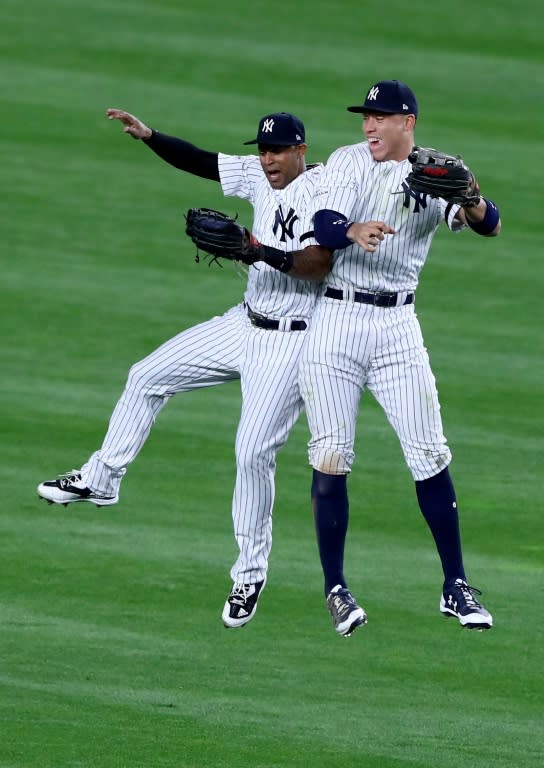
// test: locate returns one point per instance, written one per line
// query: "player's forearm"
(483, 218)
(184, 155)
(311, 263)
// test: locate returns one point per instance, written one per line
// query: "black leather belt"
(377, 299)
(274, 325)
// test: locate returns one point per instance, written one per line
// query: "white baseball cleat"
(458, 600)
(241, 604)
(346, 614)
(69, 488)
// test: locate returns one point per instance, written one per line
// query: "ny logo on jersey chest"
(419, 197)
(285, 224)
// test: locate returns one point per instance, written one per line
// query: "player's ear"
(410, 122)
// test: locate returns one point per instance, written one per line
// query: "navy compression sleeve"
(185, 156)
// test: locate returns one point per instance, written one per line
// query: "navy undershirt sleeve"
(184, 155)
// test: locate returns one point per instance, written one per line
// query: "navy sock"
(437, 502)
(331, 512)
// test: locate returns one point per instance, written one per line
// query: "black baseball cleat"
(241, 604)
(346, 614)
(458, 600)
(70, 488)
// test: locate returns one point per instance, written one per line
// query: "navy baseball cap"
(391, 97)
(280, 129)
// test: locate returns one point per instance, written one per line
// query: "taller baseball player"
(258, 341)
(365, 335)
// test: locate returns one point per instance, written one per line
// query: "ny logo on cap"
(373, 93)
(268, 125)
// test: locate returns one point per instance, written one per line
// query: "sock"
(437, 502)
(330, 507)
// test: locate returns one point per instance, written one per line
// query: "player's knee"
(428, 462)
(253, 455)
(327, 487)
(331, 461)
(138, 376)
(134, 374)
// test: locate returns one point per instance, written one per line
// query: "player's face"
(281, 164)
(390, 137)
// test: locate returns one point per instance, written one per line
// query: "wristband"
(489, 221)
(282, 260)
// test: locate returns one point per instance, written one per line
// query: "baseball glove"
(439, 175)
(219, 235)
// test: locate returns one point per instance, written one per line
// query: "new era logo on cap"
(280, 129)
(391, 97)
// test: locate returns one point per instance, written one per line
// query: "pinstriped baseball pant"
(222, 349)
(351, 347)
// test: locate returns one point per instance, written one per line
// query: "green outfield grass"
(112, 650)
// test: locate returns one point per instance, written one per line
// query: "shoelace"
(239, 594)
(468, 594)
(343, 604)
(68, 478)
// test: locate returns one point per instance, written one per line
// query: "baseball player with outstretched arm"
(365, 335)
(258, 342)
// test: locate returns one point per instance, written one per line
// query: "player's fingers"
(369, 243)
(384, 228)
(114, 114)
(125, 117)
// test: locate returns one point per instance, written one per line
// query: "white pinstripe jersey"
(282, 219)
(354, 184)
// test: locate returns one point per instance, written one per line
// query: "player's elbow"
(321, 263)
(494, 232)
(313, 263)
(497, 230)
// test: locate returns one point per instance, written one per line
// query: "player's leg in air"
(202, 356)
(271, 404)
(332, 403)
(403, 383)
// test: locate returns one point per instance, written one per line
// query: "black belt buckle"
(260, 321)
(386, 299)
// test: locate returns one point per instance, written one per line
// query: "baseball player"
(258, 341)
(365, 335)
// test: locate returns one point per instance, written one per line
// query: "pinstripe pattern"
(227, 348)
(268, 291)
(352, 347)
(363, 190)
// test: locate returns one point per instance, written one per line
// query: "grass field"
(112, 650)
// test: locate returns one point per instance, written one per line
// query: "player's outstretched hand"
(132, 125)
(369, 234)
